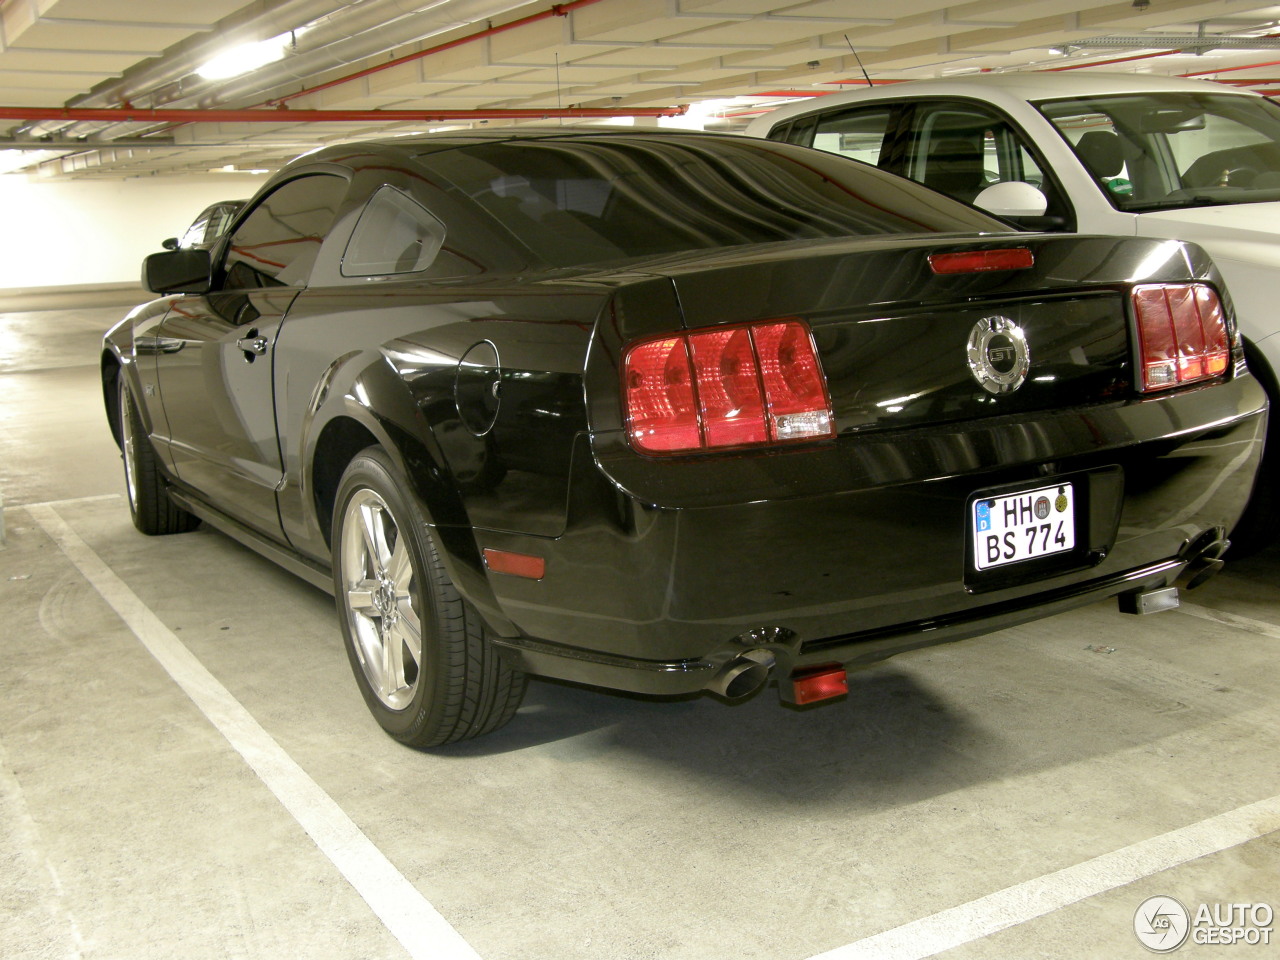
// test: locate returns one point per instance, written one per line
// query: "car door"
(215, 379)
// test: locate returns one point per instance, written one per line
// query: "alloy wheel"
(378, 595)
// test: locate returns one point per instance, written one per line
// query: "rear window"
(574, 201)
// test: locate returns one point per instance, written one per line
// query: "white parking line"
(398, 904)
(1030, 899)
(58, 503)
(1231, 620)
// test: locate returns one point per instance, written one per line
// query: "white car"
(1092, 153)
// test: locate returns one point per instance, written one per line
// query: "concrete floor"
(1019, 795)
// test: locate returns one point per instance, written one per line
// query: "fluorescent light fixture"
(232, 168)
(16, 161)
(246, 57)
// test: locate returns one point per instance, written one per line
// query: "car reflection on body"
(673, 412)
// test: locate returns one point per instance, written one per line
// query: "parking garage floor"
(187, 769)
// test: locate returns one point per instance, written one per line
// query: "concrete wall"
(78, 232)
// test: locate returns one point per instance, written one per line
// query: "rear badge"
(998, 354)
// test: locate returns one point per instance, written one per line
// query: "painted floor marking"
(1260, 627)
(58, 503)
(412, 920)
(1030, 899)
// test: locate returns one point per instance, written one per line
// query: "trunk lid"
(903, 346)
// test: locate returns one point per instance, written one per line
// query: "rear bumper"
(859, 552)
(853, 651)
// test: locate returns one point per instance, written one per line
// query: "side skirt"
(315, 574)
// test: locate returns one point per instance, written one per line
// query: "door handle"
(253, 345)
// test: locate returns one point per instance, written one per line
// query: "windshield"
(1156, 151)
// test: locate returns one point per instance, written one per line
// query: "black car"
(674, 412)
(210, 224)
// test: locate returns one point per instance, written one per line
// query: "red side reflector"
(515, 564)
(822, 683)
(726, 387)
(980, 261)
(1182, 334)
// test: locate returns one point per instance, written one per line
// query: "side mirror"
(178, 271)
(170, 244)
(1013, 198)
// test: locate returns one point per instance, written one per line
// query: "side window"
(219, 220)
(960, 150)
(954, 150)
(394, 235)
(279, 241)
(857, 134)
(195, 233)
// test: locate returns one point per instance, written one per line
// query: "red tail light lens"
(734, 386)
(660, 404)
(1182, 334)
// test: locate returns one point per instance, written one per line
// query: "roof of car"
(1044, 84)
(1028, 86)
(420, 144)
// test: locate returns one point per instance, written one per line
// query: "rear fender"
(377, 400)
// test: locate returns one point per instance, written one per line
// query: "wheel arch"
(110, 368)
(339, 442)
(342, 439)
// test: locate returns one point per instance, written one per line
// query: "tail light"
(1182, 334)
(734, 386)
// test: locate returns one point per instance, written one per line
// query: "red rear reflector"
(822, 683)
(1182, 334)
(516, 564)
(980, 261)
(724, 387)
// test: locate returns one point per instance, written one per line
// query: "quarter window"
(857, 134)
(394, 235)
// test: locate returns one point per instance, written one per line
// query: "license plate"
(1023, 526)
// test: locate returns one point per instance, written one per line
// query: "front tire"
(418, 650)
(153, 512)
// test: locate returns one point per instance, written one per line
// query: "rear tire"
(418, 650)
(149, 504)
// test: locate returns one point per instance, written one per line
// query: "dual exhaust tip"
(748, 672)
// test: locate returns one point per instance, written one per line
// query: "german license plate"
(1023, 526)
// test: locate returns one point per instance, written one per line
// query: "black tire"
(393, 595)
(147, 491)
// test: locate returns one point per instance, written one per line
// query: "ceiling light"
(246, 57)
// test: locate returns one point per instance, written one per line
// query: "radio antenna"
(859, 59)
(559, 105)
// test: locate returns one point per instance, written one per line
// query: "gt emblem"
(998, 354)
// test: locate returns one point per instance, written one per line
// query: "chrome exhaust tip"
(743, 675)
(1205, 560)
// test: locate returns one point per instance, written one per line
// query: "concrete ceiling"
(607, 56)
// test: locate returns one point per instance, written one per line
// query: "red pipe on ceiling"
(1245, 66)
(285, 115)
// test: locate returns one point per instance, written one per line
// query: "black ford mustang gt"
(674, 412)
